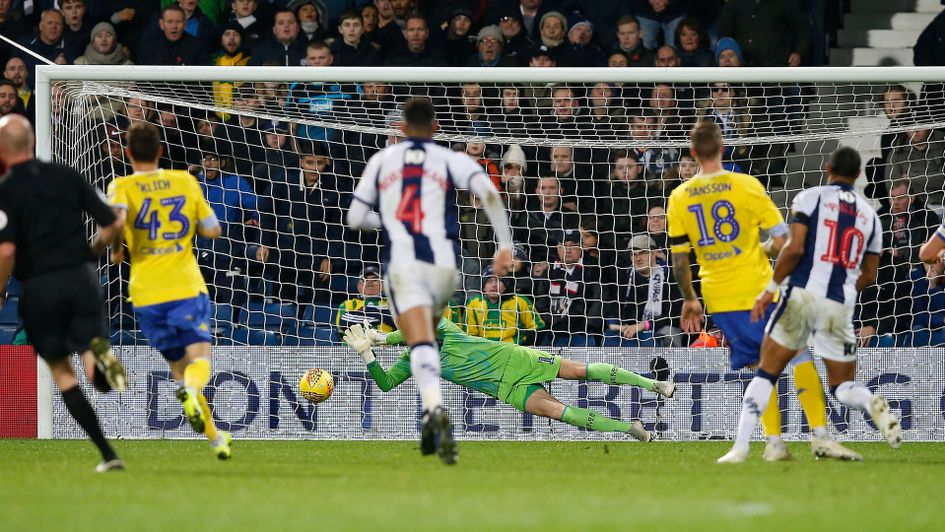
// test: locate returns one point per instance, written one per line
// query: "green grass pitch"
(177, 485)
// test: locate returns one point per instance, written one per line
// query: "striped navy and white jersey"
(413, 186)
(841, 228)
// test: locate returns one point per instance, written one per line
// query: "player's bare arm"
(691, 319)
(934, 249)
(868, 272)
(790, 254)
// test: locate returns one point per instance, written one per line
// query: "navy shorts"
(744, 337)
(170, 327)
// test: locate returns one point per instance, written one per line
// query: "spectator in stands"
(577, 189)
(198, 25)
(76, 26)
(543, 225)
(311, 17)
(181, 145)
(231, 53)
(489, 45)
(659, 15)
(607, 115)
(459, 46)
(470, 116)
(112, 163)
(667, 57)
(553, 27)
(532, 11)
(656, 229)
(686, 167)
(417, 51)
(104, 48)
(173, 46)
(317, 99)
(618, 59)
(657, 159)
(246, 14)
(917, 154)
(514, 166)
(500, 314)
(570, 297)
(8, 98)
(648, 300)
(772, 33)
(387, 34)
(730, 113)
(512, 119)
(13, 25)
(285, 46)
(928, 307)
(18, 73)
(244, 131)
(898, 106)
(476, 150)
(305, 226)
(47, 42)
(693, 44)
(565, 120)
(630, 42)
(928, 51)
(278, 154)
(669, 122)
(370, 306)
(350, 49)
(137, 109)
(579, 49)
(728, 53)
(402, 8)
(516, 43)
(622, 208)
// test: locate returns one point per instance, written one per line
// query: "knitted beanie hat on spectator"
(576, 18)
(103, 26)
(235, 26)
(555, 14)
(490, 31)
(728, 43)
(488, 272)
(460, 13)
(515, 155)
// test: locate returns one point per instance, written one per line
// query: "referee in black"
(43, 242)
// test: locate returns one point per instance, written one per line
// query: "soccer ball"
(316, 385)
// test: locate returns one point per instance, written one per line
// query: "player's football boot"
(192, 411)
(885, 421)
(115, 464)
(221, 445)
(639, 432)
(776, 451)
(106, 363)
(736, 456)
(827, 447)
(665, 388)
(437, 435)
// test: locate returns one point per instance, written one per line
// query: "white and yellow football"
(316, 385)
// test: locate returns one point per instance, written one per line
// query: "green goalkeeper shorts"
(524, 373)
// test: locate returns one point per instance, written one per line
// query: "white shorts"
(420, 284)
(802, 316)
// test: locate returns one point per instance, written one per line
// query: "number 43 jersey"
(164, 208)
(720, 215)
(841, 228)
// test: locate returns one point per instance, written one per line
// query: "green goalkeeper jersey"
(469, 361)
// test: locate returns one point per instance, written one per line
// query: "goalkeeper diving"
(510, 373)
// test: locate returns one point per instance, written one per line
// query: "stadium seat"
(8, 314)
(327, 334)
(246, 336)
(128, 337)
(305, 338)
(6, 335)
(221, 324)
(276, 317)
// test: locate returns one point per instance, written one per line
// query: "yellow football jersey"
(164, 208)
(720, 215)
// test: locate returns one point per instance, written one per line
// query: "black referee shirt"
(42, 211)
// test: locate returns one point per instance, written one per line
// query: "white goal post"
(793, 119)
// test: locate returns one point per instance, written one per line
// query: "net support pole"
(44, 381)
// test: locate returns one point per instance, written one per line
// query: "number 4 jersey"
(720, 215)
(164, 208)
(841, 228)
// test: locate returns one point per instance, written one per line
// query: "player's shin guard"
(757, 399)
(610, 374)
(771, 416)
(85, 416)
(425, 366)
(810, 392)
(209, 427)
(853, 394)
(588, 419)
(197, 374)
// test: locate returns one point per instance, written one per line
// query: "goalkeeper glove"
(357, 338)
(377, 337)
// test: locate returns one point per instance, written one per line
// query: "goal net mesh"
(591, 162)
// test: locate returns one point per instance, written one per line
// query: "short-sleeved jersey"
(42, 211)
(503, 321)
(841, 228)
(164, 208)
(720, 215)
(413, 186)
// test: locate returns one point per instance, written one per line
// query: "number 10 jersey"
(164, 208)
(720, 215)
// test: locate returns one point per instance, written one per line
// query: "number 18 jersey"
(841, 228)
(720, 215)
(164, 208)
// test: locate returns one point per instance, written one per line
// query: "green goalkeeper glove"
(359, 340)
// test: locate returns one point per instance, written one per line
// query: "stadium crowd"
(589, 221)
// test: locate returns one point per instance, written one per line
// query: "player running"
(831, 255)
(511, 373)
(721, 214)
(168, 293)
(413, 184)
(43, 241)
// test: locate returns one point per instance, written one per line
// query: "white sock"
(854, 395)
(754, 403)
(425, 366)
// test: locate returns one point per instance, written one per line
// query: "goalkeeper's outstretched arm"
(362, 339)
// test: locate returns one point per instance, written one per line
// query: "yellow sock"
(810, 392)
(771, 418)
(197, 374)
(210, 428)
